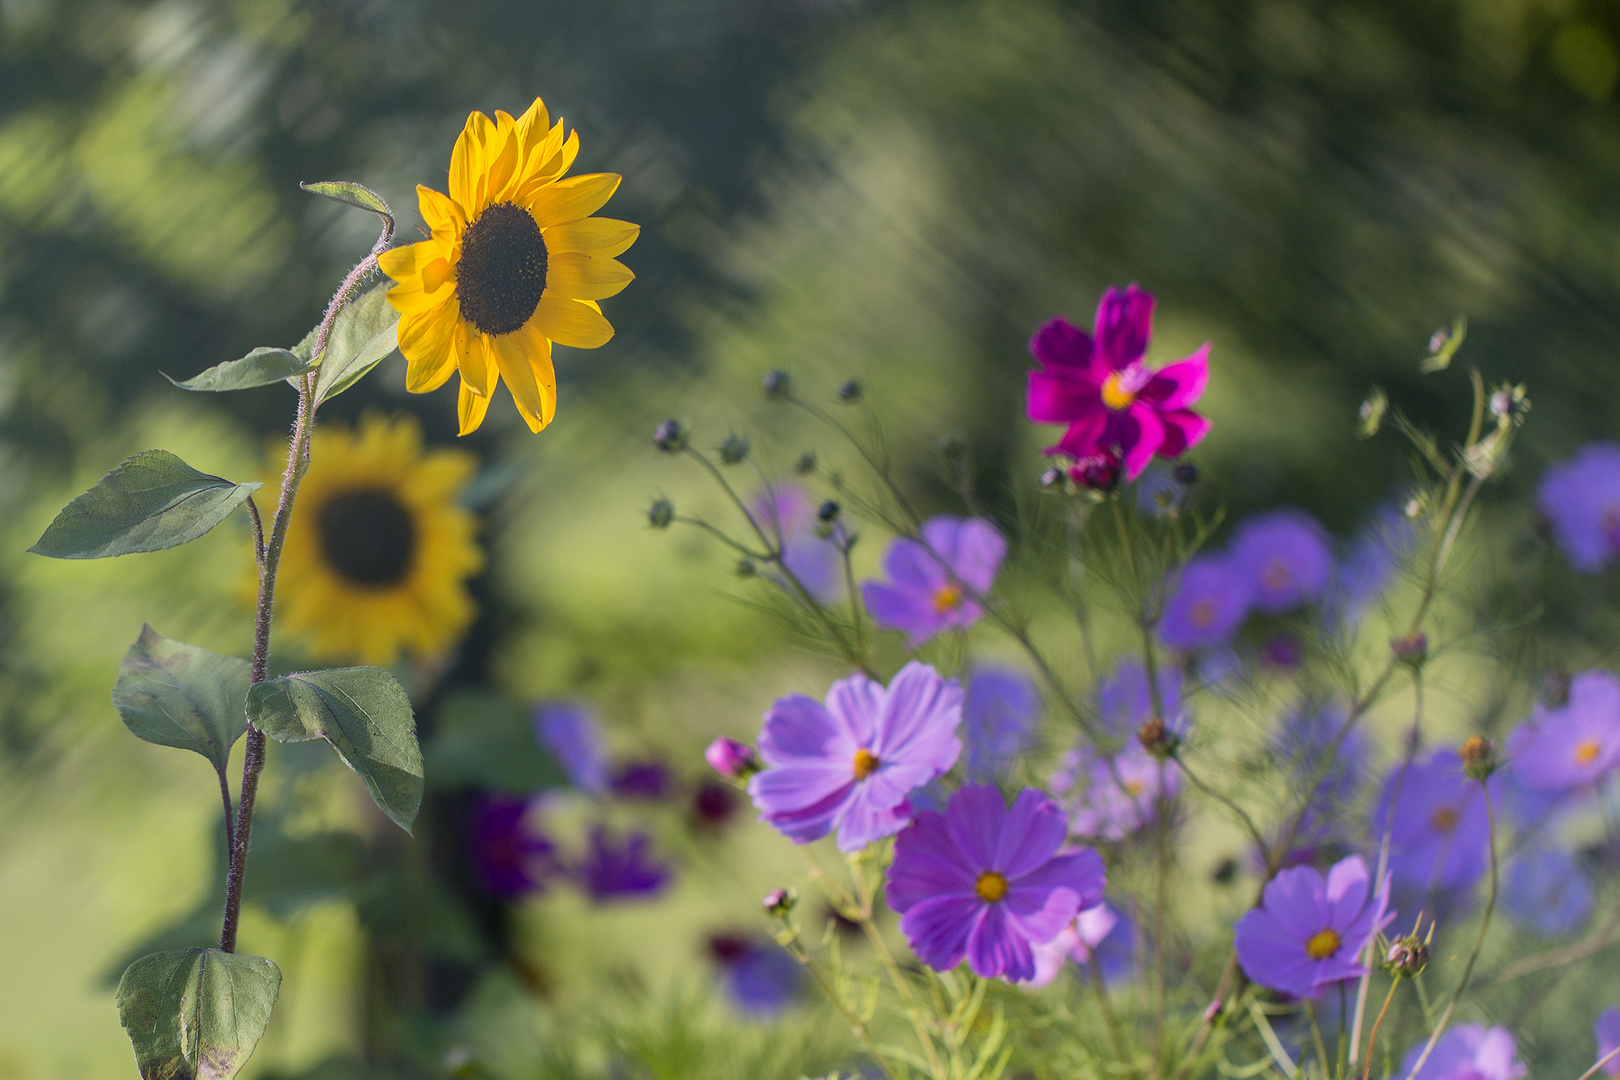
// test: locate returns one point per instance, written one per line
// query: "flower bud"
(777, 385)
(1051, 478)
(1372, 413)
(1478, 758)
(746, 568)
(732, 759)
(827, 511)
(670, 436)
(1099, 472)
(1438, 339)
(1213, 1010)
(850, 392)
(1157, 739)
(779, 902)
(734, 449)
(660, 513)
(1406, 956)
(1411, 650)
(806, 463)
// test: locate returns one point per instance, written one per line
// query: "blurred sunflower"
(378, 550)
(515, 262)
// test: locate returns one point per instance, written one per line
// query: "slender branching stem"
(230, 810)
(1372, 1038)
(1602, 1061)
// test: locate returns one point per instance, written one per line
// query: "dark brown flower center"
(502, 270)
(367, 537)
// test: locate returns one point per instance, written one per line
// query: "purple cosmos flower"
(1284, 557)
(1581, 498)
(1309, 932)
(787, 511)
(1607, 1033)
(1439, 835)
(567, 729)
(510, 856)
(988, 883)
(849, 764)
(1097, 385)
(932, 584)
(1210, 601)
(647, 780)
(1099, 931)
(1547, 890)
(1467, 1052)
(615, 871)
(1124, 703)
(1001, 708)
(1573, 745)
(1121, 793)
(760, 979)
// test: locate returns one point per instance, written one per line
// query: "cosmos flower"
(1097, 385)
(1099, 931)
(648, 780)
(1309, 931)
(621, 871)
(987, 883)
(1284, 557)
(1467, 1052)
(1210, 601)
(932, 584)
(1439, 834)
(1607, 1033)
(760, 979)
(515, 262)
(1112, 797)
(509, 854)
(568, 731)
(1573, 745)
(1124, 703)
(1546, 889)
(849, 764)
(713, 804)
(786, 511)
(1581, 498)
(1001, 708)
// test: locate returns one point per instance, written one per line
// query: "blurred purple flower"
(1282, 652)
(761, 979)
(648, 780)
(988, 883)
(511, 857)
(1210, 601)
(1124, 704)
(1369, 565)
(1120, 793)
(1581, 497)
(1607, 1033)
(1284, 557)
(1547, 889)
(569, 732)
(615, 871)
(1309, 932)
(849, 764)
(1158, 491)
(1001, 708)
(1101, 931)
(1439, 834)
(787, 510)
(932, 582)
(714, 803)
(1467, 1052)
(1573, 745)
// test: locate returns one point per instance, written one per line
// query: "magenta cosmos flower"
(1097, 384)
(1310, 931)
(849, 764)
(988, 883)
(932, 583)
(1575, 744)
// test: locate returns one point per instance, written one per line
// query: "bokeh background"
(894, 191)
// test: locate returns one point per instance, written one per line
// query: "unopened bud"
(776, 384)
(850, 391)
(1478, 757)
(1411, 650)
(806, 463)
(827, 511)
(1406, 957)
(660, 513)
(746, 568)
(734, 449)
(1213, 1010)
(1099, 472)
(732, 759)
(670, 436)
(1157, 739)
(779, 902)
(1051, 478)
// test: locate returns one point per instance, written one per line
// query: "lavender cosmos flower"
(615, 871)
(1097, 385)
(567, 729)
(1210, 601)
(761, 980)
(1124, 703)
(1121, 793)
(787, 511)
(1439, 834)
(1001, 708)
(1547, 890)
(1572, 745)
(1284, 557)
(510, 856)
(849, 764)
(1581, 497)
(988, 883)
(931, 583)
(1310, 931)
(1100, 931)
(1467, 1052)
(647, 779)
(1607, 1033)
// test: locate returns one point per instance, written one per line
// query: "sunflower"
(515, 262)
(378, 551)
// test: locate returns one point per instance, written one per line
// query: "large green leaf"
(175, 694)
(196, 1014)
(150, 502)
(261, 367)
(363, 335)
(364, 714)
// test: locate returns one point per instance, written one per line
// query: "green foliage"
(150, 502)
(363, 335)
(261, 367)
(365, 716)
(196, 1013)
(175, 694)
(352, 194)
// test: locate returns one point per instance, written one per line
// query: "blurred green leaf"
(175, 694)
(365, 716)
(484, 741)
(196, 1014)
(150, 502)
(363, 335)
(352, 194)
(261, 367)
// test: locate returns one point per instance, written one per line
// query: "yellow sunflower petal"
(444, 218)
(514, 353)
(575, 323)
(586, 277)
(473, 358)
(593, 236)
(470, 409)
(544, 374)
(424, 338)
(533, 126)
(413, 295)
(503, 157)
(468, 163)
(406, 261)
(572, 199)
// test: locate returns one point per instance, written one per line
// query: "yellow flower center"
(1445, 819)
(947, 598)
(1323, 944)
(1587, 752)
(866, 763)
(1114, 394)
(1202, 613)
(991, 886)
(1276, 575)
(1134, 788)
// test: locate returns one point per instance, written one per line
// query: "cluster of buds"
(733, 760)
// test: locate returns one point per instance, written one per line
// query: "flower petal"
(1035, 829)
(578, 276)
(854, 704)
(424, 339)
(1061, 346)
(592, 235)
(572, 199)
(1178, 385)
(467, 162)
(1182, 429)
(575, 323)
(1124, 324)
(1142, 433)
(974, 817)
(938, 929)
(1061, 398)
(445, 220)
(512, 357)
(995, 948)
(919, 718)
(864, 821)
(1273, 956)
(470, 409)
(927, 863)
(799, 727)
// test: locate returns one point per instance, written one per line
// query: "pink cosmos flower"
(1097, 385)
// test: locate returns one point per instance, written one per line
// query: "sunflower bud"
(779, 902)
(660, 513)
(1157, 739)
(777, 385)
(670, 436)
(806, 463)
(731, 759)
(734, 449)
(1406, 956)
(1478, 758)
(850, 392)
(1411, 650)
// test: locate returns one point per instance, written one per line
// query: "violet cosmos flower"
(760, 979)
(1120, 794)
(1124, 703)
(988, 883)
(932, 583)
(621, 871)
(1581, 498)
(1309, 932)
(1573, 745)
(509, 855)
(567, 729)
(1284, 557)
(1001, 708)
(1439, 834)
(1467, 1052)
(1210, 600)
(787, 513)
(1097, 385)
(1547, 890)
(647, 779)
(1607, 1033)
(1101, 932)
(849, 764)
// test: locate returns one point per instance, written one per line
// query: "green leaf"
(175, 694)
(365, 716)
(261, 367)
(150, 502)
(352, 194)
(196, 1014)
(363, 335)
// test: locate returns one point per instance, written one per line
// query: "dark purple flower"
(1100, 931)
(1547, 890)
(1607, 1033)
(1284, 557)
(510, 855)
(988, 883)
(713, 803)
(760, 979)
(1282, 652)
(1439, 835)
(1467, 1052)
(1001, 708)
(932, 583)
(1112, 797)
(621, 871)
(649, 780)
(788, 512)
(1124, 703)
(732, 759)
(569, 732)
(849, 764)
(1581, 497)
(1210, 601)
(1309, 932)
(1098, 386)
(1573, 745)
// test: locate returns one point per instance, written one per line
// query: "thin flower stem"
(1372, 1039)
(719, 534)
(1106, 1007)
(1602, 1061)
(856, 1027)
(1316, 1036)
(881, 468)
(1242, 815)
(1599, 939)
